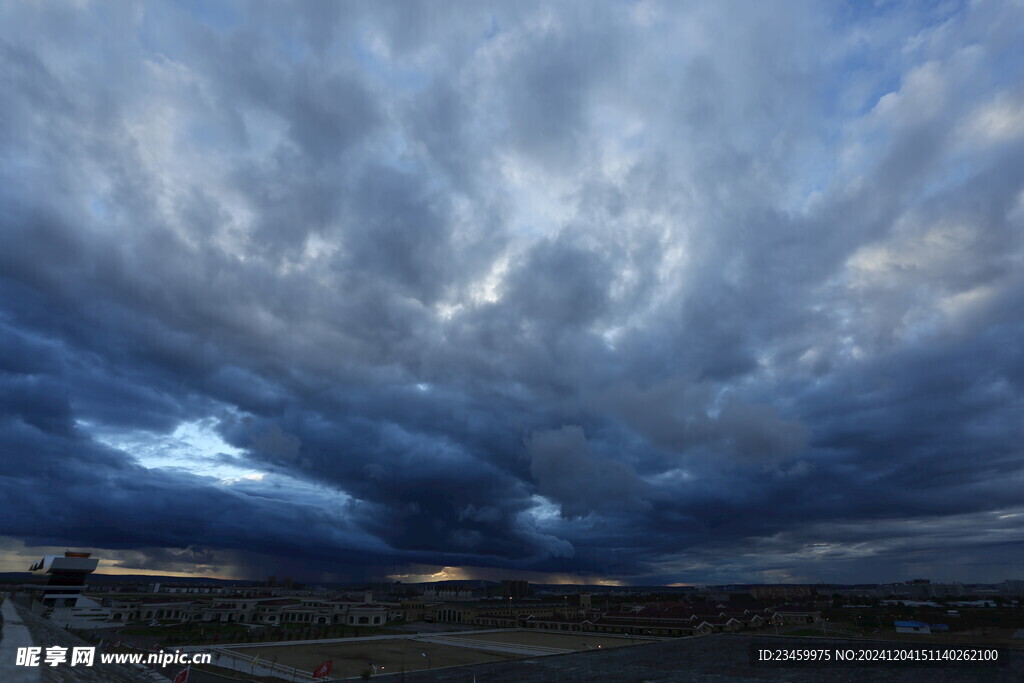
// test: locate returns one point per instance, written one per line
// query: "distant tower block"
(584, 600)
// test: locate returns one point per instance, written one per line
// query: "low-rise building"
(795, 614)
(255, 611)
(912, 627)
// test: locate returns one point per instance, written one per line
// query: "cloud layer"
(631, 290)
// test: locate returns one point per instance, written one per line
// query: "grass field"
(351, 659)
(808, 632)
(395, 655)
(564, 641)
(207, 629)
(298, 631)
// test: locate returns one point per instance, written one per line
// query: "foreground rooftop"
(711, 658)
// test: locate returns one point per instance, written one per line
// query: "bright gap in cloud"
(674, 477)
(543, 510)
(194, 447)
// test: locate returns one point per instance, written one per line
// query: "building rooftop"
(711, 658)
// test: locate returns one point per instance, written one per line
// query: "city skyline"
(635, 292)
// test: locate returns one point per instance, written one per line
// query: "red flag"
(323, 669)
(182, 676)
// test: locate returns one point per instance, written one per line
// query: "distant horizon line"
(678, 585)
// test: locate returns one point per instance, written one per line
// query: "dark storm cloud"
(569, 473)
(626, 289)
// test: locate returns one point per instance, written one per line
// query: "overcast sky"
(610, 291)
